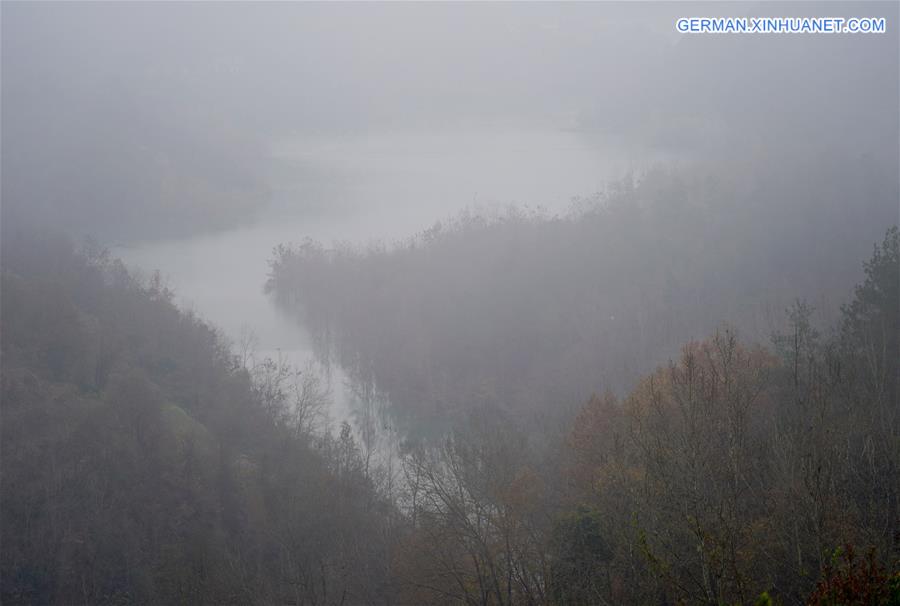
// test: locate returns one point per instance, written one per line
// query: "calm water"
(362, 188)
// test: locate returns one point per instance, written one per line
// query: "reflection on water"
(359, 188)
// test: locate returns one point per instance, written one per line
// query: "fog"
(197, 137)
(335, 122)
(157, 121)
(134, 104)
(369, 188)
(185, 110)
(495, 239)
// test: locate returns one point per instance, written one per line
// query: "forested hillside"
(531, 312)
(449, 303)
(144, 462)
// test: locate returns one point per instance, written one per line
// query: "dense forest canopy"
(681, 386)
(144, 462)
(526, 310)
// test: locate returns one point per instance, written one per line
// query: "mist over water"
(364, 188)
(446, 303)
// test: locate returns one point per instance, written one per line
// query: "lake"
(365, 187)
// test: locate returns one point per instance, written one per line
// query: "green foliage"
(580, 551)
(764, 599)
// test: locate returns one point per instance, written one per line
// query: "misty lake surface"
(363, 188)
